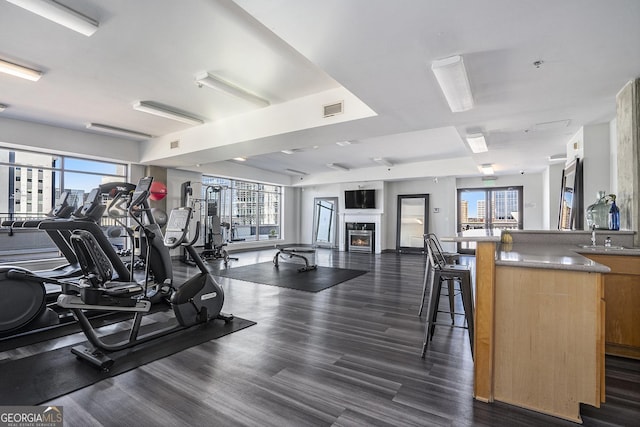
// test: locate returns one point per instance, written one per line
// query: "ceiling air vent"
(174, 144)
(333, 109)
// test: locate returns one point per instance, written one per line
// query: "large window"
(30, 182)
(488, 211)
(249, 211)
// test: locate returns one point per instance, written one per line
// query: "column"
(628, 129)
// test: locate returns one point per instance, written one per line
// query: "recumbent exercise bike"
(198, 300)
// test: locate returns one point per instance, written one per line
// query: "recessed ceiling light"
(337, 166)
(477, 143)
(382, 161)
(343, 143)
(487, 169)
(240, 159)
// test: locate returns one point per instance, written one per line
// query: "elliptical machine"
(26, 297)
(198, 300)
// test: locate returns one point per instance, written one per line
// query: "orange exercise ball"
(158, 191)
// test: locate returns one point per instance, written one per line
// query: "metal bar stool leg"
(434, 298)
(428, 274)
(452, 303)
(467, 302)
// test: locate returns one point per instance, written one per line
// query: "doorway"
(413, 222)
(325, 214)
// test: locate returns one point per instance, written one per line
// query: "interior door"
(325, 214)
(413, 222)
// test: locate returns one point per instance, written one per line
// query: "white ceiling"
(287, 51)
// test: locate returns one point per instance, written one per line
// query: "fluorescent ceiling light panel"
(240, 159)
(477, 143)
(343, 143)
(555, 125)
(59, 14)
(214, 82)
(296, 172)
(20, 71)
(487, 169)
(117, 131)
(337, 166)
(3, 107)
(382, 161)
(151, 108)
(453, 80)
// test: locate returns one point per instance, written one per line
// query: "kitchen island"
(540, 322)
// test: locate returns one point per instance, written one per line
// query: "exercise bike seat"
(98, 288)
(93, 262)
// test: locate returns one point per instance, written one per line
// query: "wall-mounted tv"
(360, 199)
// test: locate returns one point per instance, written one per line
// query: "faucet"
(593, 235)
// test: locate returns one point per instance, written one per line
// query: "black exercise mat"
(45, 376)
(287, 275)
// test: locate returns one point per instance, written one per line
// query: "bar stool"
(450, 258)
(440, 272)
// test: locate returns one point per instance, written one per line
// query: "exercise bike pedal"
(226, 317)
(93, 356)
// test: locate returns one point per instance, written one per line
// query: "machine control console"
(177, 227)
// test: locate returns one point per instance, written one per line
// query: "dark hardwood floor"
(345, 356)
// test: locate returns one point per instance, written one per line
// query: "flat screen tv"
(360, 199)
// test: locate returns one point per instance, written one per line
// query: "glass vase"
(597, 214)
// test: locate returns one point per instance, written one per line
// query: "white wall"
(305, 215)
(596, 146)
(442, 195)
(596, 163)
(551, 184)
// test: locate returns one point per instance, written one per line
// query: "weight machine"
(212, 207)
(216, 232)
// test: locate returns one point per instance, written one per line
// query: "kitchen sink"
(601, 247)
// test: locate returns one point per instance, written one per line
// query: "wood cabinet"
(548, 340)
(539, 340)
(622, 295)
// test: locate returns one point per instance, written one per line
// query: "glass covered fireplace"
(360, 241)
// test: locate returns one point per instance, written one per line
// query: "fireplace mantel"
(375, 218)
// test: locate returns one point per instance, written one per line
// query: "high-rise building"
(464, 211)
(482, 209)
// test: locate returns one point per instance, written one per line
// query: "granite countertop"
(470, 239)
(557, 257)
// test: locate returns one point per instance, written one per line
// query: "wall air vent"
(174, 144)
(333, 109)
